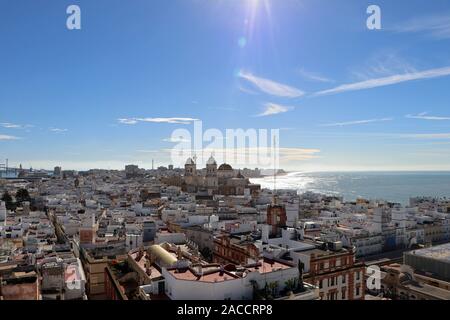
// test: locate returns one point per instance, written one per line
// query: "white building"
(176, 238)
(133, 241)
(211, 283)
(2, 212)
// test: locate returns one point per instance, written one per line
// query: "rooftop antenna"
(153, 164)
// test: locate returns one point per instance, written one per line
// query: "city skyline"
(344, 97)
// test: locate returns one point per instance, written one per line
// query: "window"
(321, 266)
(343, 294)
(357, 275)
(343, 278)
(320, 284)
(357, 291)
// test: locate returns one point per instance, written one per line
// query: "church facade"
(223, 180)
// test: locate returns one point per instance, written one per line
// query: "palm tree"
(290, 284)
(273, 286)
(255, 289)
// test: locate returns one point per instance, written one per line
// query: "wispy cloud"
(247, 90)
(427, 136)
(298, 154)
(4, 137)
(9, 125)
(128, 121)
(272, 109)
(384, 64)
(58, 130)
(387, 81)
(436, 26)
(425, 116)
(271, 87)
(131, 121)
(313, 76)
(351, 123)
(176, 140)
(285, 154)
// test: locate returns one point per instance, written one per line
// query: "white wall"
(176, 238)
(236, 289)
(2, 211)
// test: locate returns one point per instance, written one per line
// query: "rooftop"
(441, 253)
(268, 266)
(215, 276)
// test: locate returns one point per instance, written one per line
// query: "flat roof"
(441, 252)
(269, 266)
(430, 291)
(155, 273)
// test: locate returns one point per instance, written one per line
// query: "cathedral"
(223, 180)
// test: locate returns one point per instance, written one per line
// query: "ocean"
(390, 186)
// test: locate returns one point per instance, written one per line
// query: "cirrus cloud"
(58, 130)
(350, 123)
(425, 116)
(131, 121)
(9, 125)
(273, 108)
(4, 137)
(436, 26)
(387, 81)
(271, 87)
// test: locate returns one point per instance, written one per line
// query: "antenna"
(153, 164)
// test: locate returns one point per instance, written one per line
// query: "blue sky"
(345, 97)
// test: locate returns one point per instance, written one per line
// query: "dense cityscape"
(203, 159)
(211, 234)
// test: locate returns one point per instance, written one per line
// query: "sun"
(256, 8)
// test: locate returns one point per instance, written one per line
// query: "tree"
(273, 287)
(8, 201)
(207, 253)
(290, 284)
(22, 195)
(301, 269)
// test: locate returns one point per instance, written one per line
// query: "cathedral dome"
(189, 161)
(225, 167)
(211, 161)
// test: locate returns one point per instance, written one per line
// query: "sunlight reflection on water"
(391, 186)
